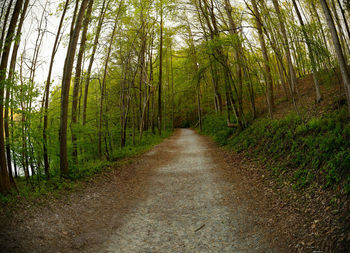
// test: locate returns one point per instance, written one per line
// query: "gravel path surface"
(183, 210)
(182, 196)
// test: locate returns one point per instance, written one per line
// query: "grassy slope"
(314, 149)
(305, 161)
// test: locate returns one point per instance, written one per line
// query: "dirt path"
(174, 198)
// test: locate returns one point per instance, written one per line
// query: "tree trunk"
(4, 176)
(292, 75)
(103, 88)
(8, 90)
(341, 35)
(311, 54)
(344, 18)
(92, 57)
(269, 83)
(47, 92)
(341, 59)
(237, 54)
(67, 74)
(172, 91)
(160, 74)
(77, 80)
(3, 32)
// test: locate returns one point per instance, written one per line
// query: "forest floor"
(185, 195)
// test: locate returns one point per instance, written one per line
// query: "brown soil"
(332, 91)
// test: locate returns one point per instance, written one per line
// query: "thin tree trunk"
(4, 176)
(12, 134)
(8, 90)
(311, 54)
(269, 83)
(67, 74)
(341, 35)
(23, 120)
(33, 68)
(92, 57)
(77, 80)
(292, 75)
(160, 74)
(172, 91)
(315, 11)
(103, 85)
(344, 19)
(338, 49)
(237, 54)
(47, 92)
(3, 32)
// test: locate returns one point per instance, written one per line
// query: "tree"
(104, 7)
(4, 176)
(340, 56)
(311, 53)
(269, 82)
(160, 70)
(8, 88)
(77, 80)
(47, 90)
(67, 74)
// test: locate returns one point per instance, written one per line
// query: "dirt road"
(175, 198)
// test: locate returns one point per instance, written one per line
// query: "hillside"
(302, 164)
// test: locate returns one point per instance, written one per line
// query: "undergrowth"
(306, 153)
(39, 186)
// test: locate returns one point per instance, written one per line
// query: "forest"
(87, 82)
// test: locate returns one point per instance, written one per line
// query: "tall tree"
(77, 80)
(292, 75)
(103, 85)
(160, 70)
(269, 82)
(67, 74)
(338, 49)
(104, 7)
(4, 176)
(4, 25)
(311, 53)
(47, 90)
(8, 88)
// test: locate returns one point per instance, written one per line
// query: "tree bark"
(338, 49)
(160, 74)
(4, 176)
(8, 90)
(92, 57)
(77, 80)
(269, 83)
(3, 32)
(311, 53)
(67, 74)
(47, 92)
(103, 85)
(292, 75)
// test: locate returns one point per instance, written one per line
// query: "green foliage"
(314, 152)
(56, 184)
(216, 127)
